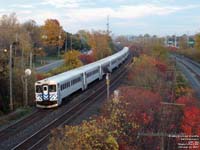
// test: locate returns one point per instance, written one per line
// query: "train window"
(38, 89)
(68, 84)
(52, 88)
(90, 73)
(75, 81)
(61, 87)
(44, 88)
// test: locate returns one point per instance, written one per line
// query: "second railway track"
(194, 68)
(191, 72)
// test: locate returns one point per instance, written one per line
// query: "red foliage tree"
(187, 101)
(40, 76)
(190, 124)
(191, 121)
(86, 59)
(161, 67)
(172, 48)
(142, 104)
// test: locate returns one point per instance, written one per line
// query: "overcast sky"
(127, 17)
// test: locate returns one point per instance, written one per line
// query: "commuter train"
(50, 92)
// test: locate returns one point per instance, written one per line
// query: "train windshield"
(38, 89)
(52, 88)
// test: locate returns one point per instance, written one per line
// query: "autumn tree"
(186, 100)
(12, 32)
(53, 34)
(86, 59)
(159, 52)
(134, 111)
(191, 115)
(88, 135)
(181, 87)
(191, 121)
(99, 42)
(183, 42)
(9, 26)
(197, 41)
(72, 59)
(149, 73)
(34, 31)
(142, 105)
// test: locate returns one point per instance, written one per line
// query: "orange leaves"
(52, 33)
(99, 41)
(72, 59)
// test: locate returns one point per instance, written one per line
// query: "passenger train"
(50, 92)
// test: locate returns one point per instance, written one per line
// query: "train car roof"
(77, 71)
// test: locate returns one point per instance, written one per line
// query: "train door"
(100, 72)
(84, 81)
(58, 93)
(45, 92)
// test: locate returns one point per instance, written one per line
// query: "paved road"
(191, 70)
(49, 67)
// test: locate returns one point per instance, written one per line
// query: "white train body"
(50, 92)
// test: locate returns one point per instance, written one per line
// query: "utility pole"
(108, 85)
(26, 91)
(174, 81)
(71, 42)
(66, 44)
(27, 73)
(10, 77)
(16, 40)
(175, 42)
(59, 38)
(164, 119)
(31, 59)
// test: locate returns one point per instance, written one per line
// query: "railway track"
(22, 124)
(41, 136)
(191, 72)
(18, 127)
(192, 66)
